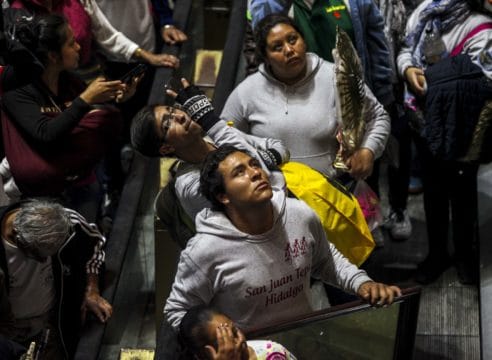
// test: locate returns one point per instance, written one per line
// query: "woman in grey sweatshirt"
(293, 98)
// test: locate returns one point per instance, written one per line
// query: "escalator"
(348, 331)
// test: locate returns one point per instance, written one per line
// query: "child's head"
(200, 327)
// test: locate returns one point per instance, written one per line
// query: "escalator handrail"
(230, 56)
(406, 328)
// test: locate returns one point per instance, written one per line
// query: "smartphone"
(136, 71)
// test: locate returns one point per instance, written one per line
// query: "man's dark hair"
(211, 180)
(143, 132)
(263, 28)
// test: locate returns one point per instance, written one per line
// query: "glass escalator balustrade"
(353, 332)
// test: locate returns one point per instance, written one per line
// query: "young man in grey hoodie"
(256, 250)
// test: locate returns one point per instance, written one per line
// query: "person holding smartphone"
(63, 125)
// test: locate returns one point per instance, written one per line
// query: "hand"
(229, 347)
(97, 305)
(101, 91)
(360, 163)
(164, 60)
(416, 80)
(129, 90)
(172, 35)
(193, 100)
(378, 294)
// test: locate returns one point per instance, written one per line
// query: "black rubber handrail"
(91, 338)
(231, 55)
(320, 315)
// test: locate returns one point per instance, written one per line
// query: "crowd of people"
(74, 104)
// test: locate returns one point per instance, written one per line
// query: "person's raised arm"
(169, 32)
(196, 104)
(331, 266)
(407, 69)
(114, 42)
(93, 301)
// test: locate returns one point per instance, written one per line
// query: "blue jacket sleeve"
(261, 8)
(163, 11)
(379, 55)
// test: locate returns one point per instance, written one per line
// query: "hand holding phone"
(173, 84)
(135, 72)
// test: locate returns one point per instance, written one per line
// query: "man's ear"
(166, 149)
(222, 198)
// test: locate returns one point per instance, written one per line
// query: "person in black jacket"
(50, 260)
(58, 128)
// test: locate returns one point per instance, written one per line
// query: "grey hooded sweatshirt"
(304, 116)
(257, 280)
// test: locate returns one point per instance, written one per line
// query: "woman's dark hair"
(42, 34)
(263, 28)
(211, 180)
(193, 331)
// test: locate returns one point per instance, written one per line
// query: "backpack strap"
(459, 48)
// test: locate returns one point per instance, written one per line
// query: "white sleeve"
(479, 48)
(404, 58)
(223, 134)
(110, 40)
(187, 187)
(378, 125)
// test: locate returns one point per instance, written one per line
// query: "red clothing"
(54, 141)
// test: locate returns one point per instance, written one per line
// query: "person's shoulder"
(187, 176)
(197, 245)
(319, 66)
(476, 19)
(202, 249)
(252, 81)
(26, 90)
